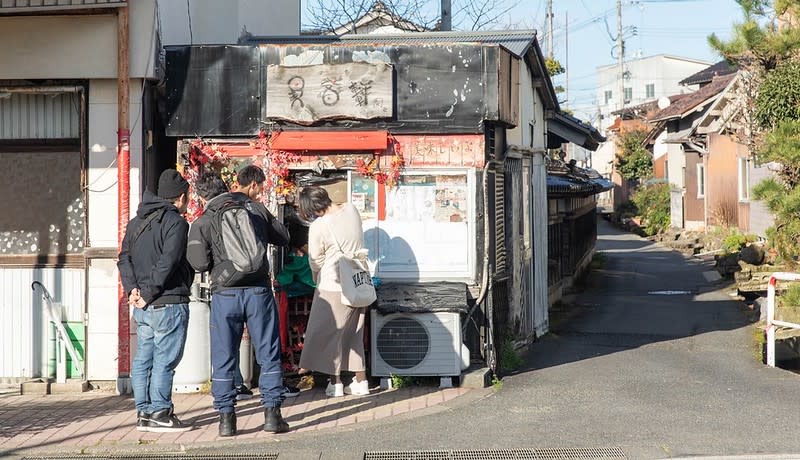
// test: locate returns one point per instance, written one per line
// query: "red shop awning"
(330, 140)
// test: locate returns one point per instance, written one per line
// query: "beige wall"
(530, 110)
(54, 47)
(220, 22)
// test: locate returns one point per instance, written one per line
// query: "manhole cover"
(502, 454)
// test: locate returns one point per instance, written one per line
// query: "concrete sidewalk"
(98, 420)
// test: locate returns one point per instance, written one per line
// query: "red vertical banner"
(123, 215)
(381, 201)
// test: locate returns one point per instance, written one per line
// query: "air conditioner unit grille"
(403, 343)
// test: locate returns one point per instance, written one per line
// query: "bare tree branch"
(327, 16)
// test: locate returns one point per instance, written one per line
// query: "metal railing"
(772, 323)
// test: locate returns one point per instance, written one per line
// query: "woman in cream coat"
(334, 339)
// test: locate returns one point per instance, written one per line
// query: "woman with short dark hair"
(334, 338)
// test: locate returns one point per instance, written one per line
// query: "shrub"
(653, 203)
(736, 241)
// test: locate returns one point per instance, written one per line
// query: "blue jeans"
(161, 335)
(230, 310)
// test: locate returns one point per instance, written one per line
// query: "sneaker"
(243, 393)
(290, 391)
(142, 418)
(334, 390)
(357, 388)
(164, 421)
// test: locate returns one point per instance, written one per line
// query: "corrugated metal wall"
(539, 221)
(39, 116)
(23, 322)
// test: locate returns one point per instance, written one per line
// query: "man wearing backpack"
(157, 277)
(230, 242)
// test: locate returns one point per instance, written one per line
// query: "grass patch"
(497, 384)
(509, 358)
(404, 381)
(759, 343)
(599, 261)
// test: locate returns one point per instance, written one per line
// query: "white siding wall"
(676, 162)
(24, 325)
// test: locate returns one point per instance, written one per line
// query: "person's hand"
(140, 303)
(135, 295)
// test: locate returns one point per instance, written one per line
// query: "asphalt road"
(653, 360)
(649, 358)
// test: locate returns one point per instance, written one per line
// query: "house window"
(628, 94)
(650, 90)
(608, 95)
(744, 179)
(701, 181)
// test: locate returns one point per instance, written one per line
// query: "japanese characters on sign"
(307, 94)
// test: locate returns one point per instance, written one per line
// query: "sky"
(675, 27)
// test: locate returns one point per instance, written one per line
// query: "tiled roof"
(648, 106)
(707, 75)
(692, 100)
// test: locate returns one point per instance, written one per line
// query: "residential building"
(644, 80)
(69, 96)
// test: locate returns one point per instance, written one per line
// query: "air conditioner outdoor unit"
(418, 344)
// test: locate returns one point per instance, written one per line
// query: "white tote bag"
(354, 276)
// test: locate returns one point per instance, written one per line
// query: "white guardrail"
(771, 321)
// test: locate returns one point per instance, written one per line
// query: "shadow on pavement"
(644, 293)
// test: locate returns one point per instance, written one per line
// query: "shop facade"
(439, 139)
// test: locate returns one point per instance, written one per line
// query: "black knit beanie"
(171, 184)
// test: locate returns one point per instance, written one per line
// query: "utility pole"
(447, 16)
(620, 56)
(550, 29)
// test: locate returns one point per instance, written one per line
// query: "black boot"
(273, 421)
(227, 424)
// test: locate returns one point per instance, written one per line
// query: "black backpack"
(240, 240)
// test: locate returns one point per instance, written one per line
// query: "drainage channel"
(611, 453)
(158, 456)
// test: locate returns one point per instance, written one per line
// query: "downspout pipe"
(123, 197)
(485, 271)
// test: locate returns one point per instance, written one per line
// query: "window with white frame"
(701, 181)
(744, 179)
(628, 94)
(608, 95)
(650, 90)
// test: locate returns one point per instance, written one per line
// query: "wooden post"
(123, 195)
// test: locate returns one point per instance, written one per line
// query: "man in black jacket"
(247, 300)
(157, 278)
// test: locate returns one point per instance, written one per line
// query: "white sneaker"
(334, 390)
(357, 388)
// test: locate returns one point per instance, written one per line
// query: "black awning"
(562, 128)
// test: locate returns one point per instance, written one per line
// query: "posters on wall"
(434, 198)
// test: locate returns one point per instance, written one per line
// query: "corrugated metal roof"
(515, 41)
